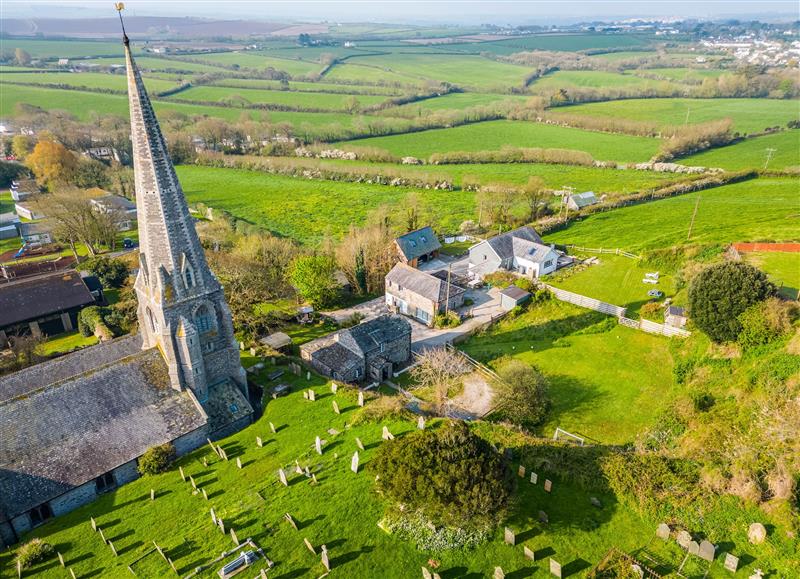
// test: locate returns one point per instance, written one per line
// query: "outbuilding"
(513, 296)
(675, 316)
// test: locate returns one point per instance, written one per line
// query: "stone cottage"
(421, 295)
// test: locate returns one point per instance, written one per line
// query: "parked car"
(128, 243)
(655, 294)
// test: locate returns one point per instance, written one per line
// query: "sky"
(466, 12)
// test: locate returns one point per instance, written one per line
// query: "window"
(422, 239)
(105, 482)
(153, 321)
(40, 514)
(399, 288)
(203, 319)
(484, 257)
(548, 263)
(383, 346)
(188, 278)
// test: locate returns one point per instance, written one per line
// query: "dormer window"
(187, 273)
(422, 239)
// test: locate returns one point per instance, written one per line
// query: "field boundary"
(746, 247)
(616, 251)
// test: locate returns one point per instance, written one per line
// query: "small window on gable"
(40, 514)
(422, 239)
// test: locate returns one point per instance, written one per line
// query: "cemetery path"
(475, 400)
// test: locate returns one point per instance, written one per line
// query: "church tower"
(182, 309)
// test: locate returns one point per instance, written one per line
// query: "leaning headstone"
(386, 434)
(297, 468)
(239, 462)
(757, 533)
(314, 478)
(211, 444)
(290, 520)
(113, 549)
(336, 407)
(706, 551)
(521, 471)
(308, 375)
(325, 561)
(72, 573)
(318, 445)
(360, 398)
(171, 564)
(548, 485)
(213, 516)
(334, 387)
(529, 553)
(272, 428)
(555, 568)
(183, 475)
(731, 562)
(354, 463)
(757, 574)
(221, 525)
(509, 537)
(234, 538)
(310, 546)
(194, 484)
(312, 395)
(683, 539)
(421, 423)
(543, 518)
(693, 548)
(305, 394)
(61, 559)
(94, 524)
(534, 478)
(102, 535)
(222, 453)
(152, 494)
(426, 574)
(259, 442)
(662, 531)
(205, 494)
(282, 476)
(359, 444)
(498, 573)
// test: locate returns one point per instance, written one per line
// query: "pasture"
(748, 115)
(368, 74)
(304, 86)
(455, 101)
(148, 63)
(285, 98)
(494, 135)
(682, 74)
(753, 153)
(260, 61)
(594, 79)
(90, 80)
(54, 49)
(783, 268)
(566, 42)
(764, 209)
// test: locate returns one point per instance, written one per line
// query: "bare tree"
(439, 369)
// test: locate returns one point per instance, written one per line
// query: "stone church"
(75, 426)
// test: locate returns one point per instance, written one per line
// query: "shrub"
(449, 320)
(524, 283)
(382, 409)
(719, 294)
(33, 552)
(702, 401)
(415, 529)
(764, 322)
(448, 474)
(652, 311)
(501, 279)
(91, 321)
(111, 272)
(523, 398)
(157, 459)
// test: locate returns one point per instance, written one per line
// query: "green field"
(783, 269)
(307, 210)
(594, 79)
(753, 153)
(63, 48)
(557, 41)
(455, 101)
(757, 210)
(360, 73)
(748, 115)
(596, 389)
(306, 86)
(90, 80)
(682, 74)
(146, 63)
(298, 99)
(260, 61)
(494, 135)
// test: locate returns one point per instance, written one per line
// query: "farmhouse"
(520, 250)
(419, 294)
(123, 209)
(418, 246)
(37, 232)
(24, 188)
(9, 223)
(580, 200)
(369, 351)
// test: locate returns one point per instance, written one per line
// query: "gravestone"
(731, 562)
(308, 375)
(252, 351)
(509, 537)
(211, 444)
(72, 573)
(693, 548)
(290, 520)
(334, 387)
(234, 538)
(61, 559)
(683, 539)
(386, 434)
(534, 478)
(662, 531)
(310, 546)
(421, 423)
(272, 427)
(521, 471)
(318, 445)
(194, 484)
(354, 463)
(222, 453)
(555, 568)
(213, 516)
(297, 468)
(102, 535)
(757, 574)
(314, 478)
(113, 549)
(325, 562)
(336, 407)
(259, 442)
(205, 494)
(171, 564)
(498, 573)
(529, 553)
(360, 398)
(548, 485)
(426, 574)
(221, 525)
(183, 476)
(543, 518)
(757, 533)
(333, 431)
(305, 394)
(359, 444)
(152, 494)
(239, 462)
(706, 551)
(205, 462)
(312, 395)
(94, 524)
(282, 476)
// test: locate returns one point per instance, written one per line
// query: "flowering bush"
(415, 528)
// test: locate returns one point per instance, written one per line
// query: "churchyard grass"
(753, 153)
(762, 209)
(748, 115)
(64, 343)
(6, 202)
(783, 268)
(494, 135)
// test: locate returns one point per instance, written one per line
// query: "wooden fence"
(616, 251)
(586, 302)
(663, 329)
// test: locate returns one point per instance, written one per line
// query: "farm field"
(308, 210)
(596, 390)
(146, 63)
(456, 101)
(594, 79)
(748, 115)
(783, 268)
(90, 80)
(616, 280)
(494, 135)
(49, 49)
(759, 209)
(364, 74)
(305, 86)
(753, 153)
(682, 74)
(261, 61)
(277, 97)
(558, 42)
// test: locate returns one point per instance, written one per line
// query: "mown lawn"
(307, 210)
(65, 343)
(783, 269)
(764, 209)
(494, 135)
(748, 115)
(607, 382)
(753, 153)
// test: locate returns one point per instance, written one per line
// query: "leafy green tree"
(21, 145)
(719, 294)
(111, 272)
(523, 398)
(9, 172)
(313, 277)
(448, 473)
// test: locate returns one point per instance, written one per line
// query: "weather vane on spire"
(120, 6)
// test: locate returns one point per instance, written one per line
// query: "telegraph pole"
(770, 152)
(447, 300)
(691, 225)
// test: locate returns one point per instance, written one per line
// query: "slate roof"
(583, 199)
(115, 202)
(337, 357)
(676, 311)
(33, 228)
(68, 432)
(9, 218)
(368, 336)
(421, 283)
(515, 293)
(419, 242)
(530, 250)
(36, 297)
(503, 244)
